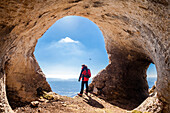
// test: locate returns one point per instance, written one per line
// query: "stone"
(42, 100)
(136, 33)
(152, 91)
(56, 97)
(95, 91)
(34, 103)
(152, 105)
(64, 105)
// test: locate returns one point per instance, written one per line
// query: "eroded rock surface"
(63, 104)
(135, 33)
(152, 105)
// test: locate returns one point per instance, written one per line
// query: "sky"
(151, 71)
(70, 42)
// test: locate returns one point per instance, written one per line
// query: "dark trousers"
(82, 86)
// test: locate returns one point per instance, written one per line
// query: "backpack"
(87, 75)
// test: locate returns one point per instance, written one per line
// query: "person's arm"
(80, 75)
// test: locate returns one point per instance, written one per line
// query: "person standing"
(84, 75)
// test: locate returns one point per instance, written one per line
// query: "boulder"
(34, 103)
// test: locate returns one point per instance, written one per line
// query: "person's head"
(84, 66)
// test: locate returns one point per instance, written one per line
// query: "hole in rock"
(151, 75)
(68, 43)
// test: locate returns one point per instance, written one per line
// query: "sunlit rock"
(135, 33)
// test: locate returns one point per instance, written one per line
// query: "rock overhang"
(135, 34)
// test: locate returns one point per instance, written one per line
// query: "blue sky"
(151, 71)
(70, 42)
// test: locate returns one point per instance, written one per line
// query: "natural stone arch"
(132, 39)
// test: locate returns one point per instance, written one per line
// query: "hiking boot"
(79, 94)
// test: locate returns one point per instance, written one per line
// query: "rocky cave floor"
(54, 103)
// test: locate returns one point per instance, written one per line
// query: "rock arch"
(135, 32)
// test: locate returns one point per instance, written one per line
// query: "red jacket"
(83, 74)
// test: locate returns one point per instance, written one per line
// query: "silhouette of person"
(84, 75)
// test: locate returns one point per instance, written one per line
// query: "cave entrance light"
(151, 75)
(68, 43)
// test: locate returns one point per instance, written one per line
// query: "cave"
(135, 34)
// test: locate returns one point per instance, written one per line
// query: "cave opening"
(64, 41)
(151, 75)
(65, 46)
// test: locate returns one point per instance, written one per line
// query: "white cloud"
(67, 40)
(151, 75)
(67, 46)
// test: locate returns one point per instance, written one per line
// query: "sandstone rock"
(34, 103)
(56, 97)
(42, 100)
(152, 91)
(51, 93)
(151, 104)
(95, 91)
(136, 33)
(64, 105)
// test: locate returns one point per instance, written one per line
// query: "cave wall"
(135, 34)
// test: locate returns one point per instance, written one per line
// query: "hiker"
(84, 75)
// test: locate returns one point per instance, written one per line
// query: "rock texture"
(64, 104)
(152, 105)
(135, 33)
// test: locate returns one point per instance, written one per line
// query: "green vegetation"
(136, 111)
(48, 97)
